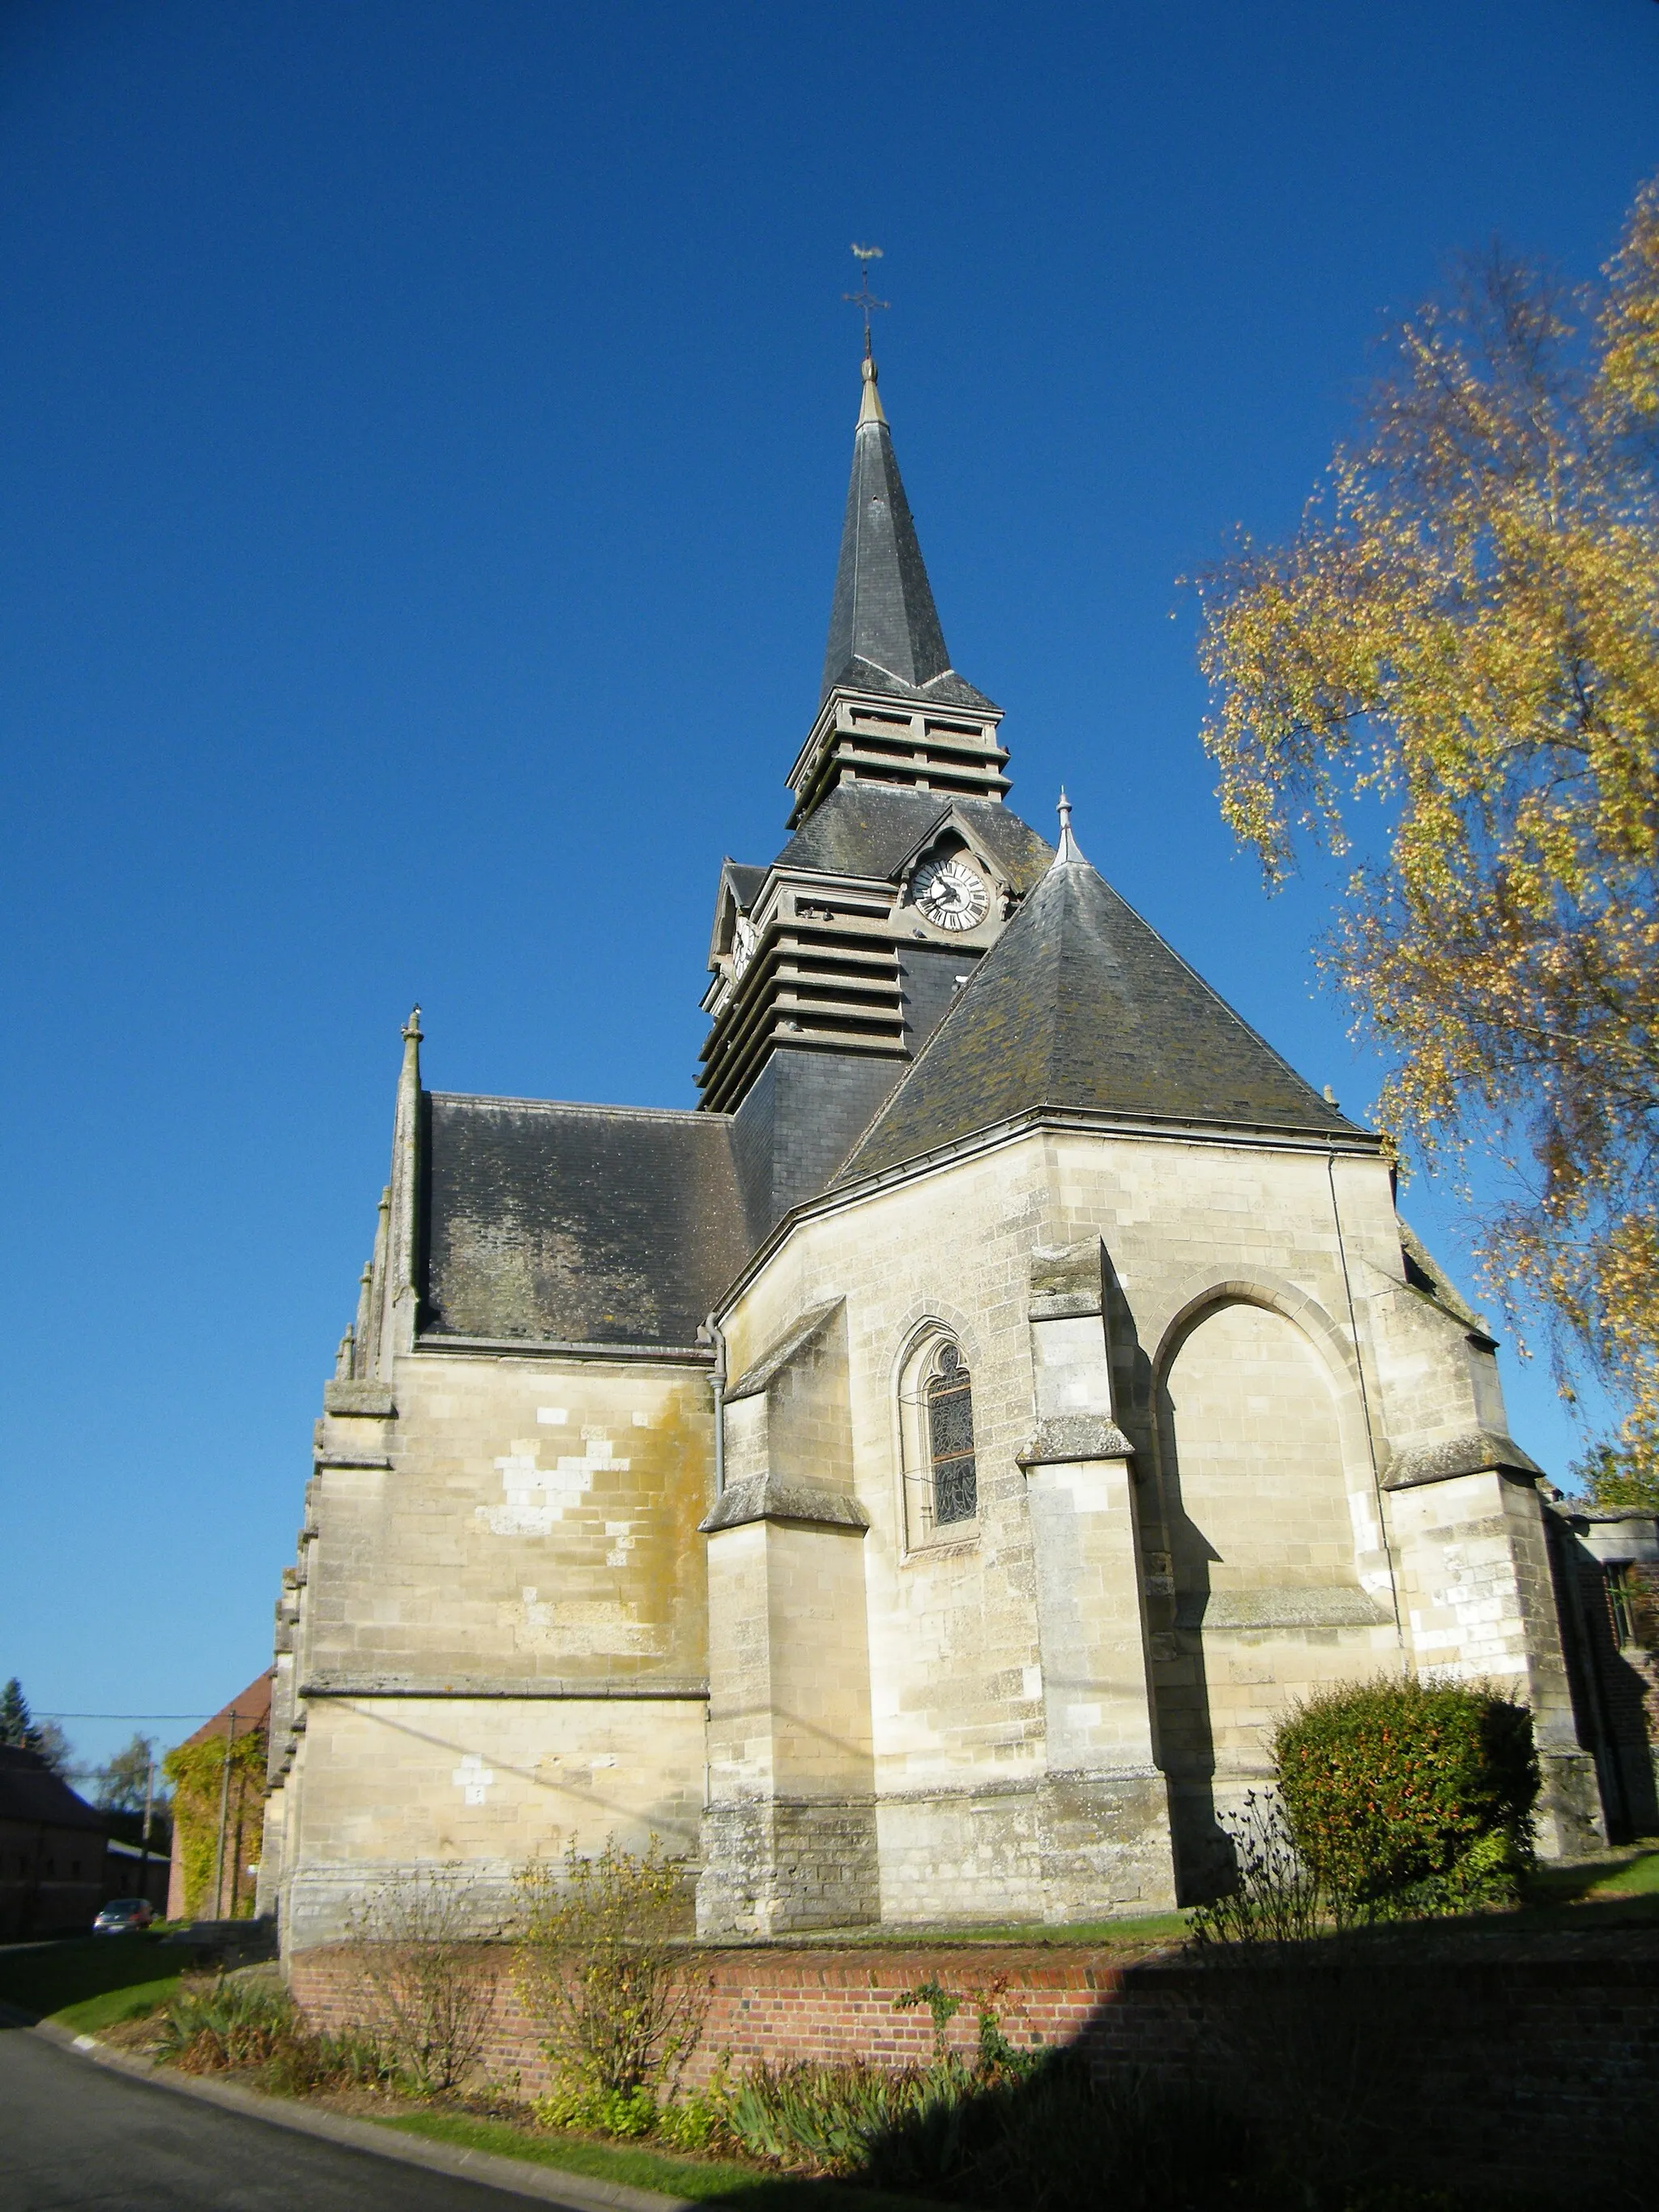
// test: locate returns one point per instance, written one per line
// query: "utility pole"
(224, 1815)
(143, 1834)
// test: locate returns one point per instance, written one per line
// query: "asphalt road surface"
(73, 2134)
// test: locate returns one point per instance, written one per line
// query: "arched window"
(949, 1401)
(940, 1475)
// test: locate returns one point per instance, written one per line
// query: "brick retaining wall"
(1500, 2060)
(780, 2004)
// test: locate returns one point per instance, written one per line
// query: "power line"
(124, 1716)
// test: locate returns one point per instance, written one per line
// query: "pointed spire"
(883, 613)
(365, 1322)
(399, 1294)
(405, 1134)
(1067, 853)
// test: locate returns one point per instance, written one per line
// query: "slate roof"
(748, 883)
(29, 1790)
(884, 631)
(576, 1224)
(1079, 1004)
(872, 830)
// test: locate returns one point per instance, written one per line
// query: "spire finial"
(1066, 851)
(864, 298)
(412, 1030)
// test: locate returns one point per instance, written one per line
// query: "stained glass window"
(951, 1439)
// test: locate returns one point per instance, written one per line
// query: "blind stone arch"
(1253, 1446)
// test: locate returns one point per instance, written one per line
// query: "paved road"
(73, 2134)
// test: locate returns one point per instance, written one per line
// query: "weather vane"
(864, 297)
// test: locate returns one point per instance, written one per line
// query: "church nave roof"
(575, 1224)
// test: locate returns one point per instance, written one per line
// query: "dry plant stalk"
(620, 2002)
(1274, 1899)
(425, 1989)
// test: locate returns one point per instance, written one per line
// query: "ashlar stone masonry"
(911, 1483)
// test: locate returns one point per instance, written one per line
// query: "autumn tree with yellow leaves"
(1459, 648)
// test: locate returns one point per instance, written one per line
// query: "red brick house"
(243, 1807)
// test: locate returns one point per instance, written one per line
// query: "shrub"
(424, 1988)
(349, 2059)
(621, 2003)
(899, 2125)
(625, 2113)
(694, 2121)
(1045, 2135)
(214, 2026)
(234, 2023)
(828, 2120)
(1405, 1795)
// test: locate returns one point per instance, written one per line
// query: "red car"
(122, 1915)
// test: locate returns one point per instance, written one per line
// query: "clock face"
(743, 945)
(950, 895)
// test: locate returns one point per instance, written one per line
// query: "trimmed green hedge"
(1409, 1793)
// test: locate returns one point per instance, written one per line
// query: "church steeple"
(883, 622)
(892, 709)
(830, 967)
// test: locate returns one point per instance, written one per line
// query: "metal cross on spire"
(864, 297)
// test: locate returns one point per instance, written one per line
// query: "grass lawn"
(1620, 1889)
(89, 1982)
(1638, 1877)
(712, 2181)
(1144, 1931)
(111, 2007)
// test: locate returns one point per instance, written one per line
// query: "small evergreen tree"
(16, 1721)
(19, 1726)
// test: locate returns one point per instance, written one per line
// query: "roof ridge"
(696, 1114)
(1056, 864)
(1225, 1004)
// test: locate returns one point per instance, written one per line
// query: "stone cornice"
(1477, 1451)
(1072, 1438)
(1051, 1121)
(765, 1497)
(493, 1686)
(367, 1399)
(520, 1347)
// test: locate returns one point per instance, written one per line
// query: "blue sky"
(423, 433)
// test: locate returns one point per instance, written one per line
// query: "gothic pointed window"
(950, 1403)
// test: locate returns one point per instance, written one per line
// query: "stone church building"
(911, 1482)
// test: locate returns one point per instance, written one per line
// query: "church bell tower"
(832, 966)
